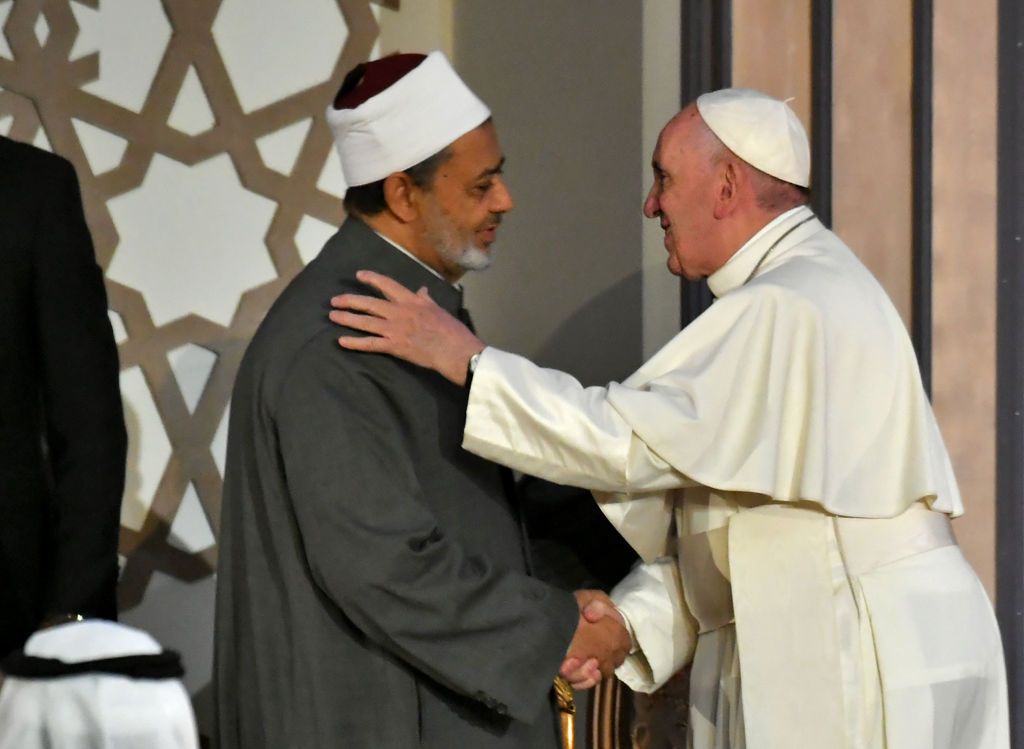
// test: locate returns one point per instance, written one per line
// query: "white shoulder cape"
(799, 383)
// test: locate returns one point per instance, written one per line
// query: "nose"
(501, 197)
(651, 207)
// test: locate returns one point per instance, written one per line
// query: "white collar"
(739, 268)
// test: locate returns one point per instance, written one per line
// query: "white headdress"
(411, 119)
(69, 688)
(761, 130)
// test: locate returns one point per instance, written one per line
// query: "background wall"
(566, 285)
(964, 273)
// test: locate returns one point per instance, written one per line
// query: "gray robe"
(373, 587)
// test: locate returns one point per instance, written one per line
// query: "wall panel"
(772, 50)
(565, 287)
(872, 130)
(964, 262)
(661, 101)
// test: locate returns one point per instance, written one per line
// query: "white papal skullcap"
(761, 130)
(70, 687)
(410, 114)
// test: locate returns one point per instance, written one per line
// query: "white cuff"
(650, 598)
(634, 646)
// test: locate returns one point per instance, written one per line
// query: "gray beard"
(465, 255)
(472, 257)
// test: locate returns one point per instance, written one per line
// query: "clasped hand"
(601, 642)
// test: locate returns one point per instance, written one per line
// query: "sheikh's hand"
(407, 325)
(601, 642)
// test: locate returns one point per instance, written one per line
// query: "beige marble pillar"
(964, 258)
(771, 43)
(872, 139)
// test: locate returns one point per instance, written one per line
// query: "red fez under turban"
(368, 79)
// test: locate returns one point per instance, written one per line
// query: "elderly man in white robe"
(776, 465)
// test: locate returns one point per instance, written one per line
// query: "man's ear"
(402, 196)
(728, 189)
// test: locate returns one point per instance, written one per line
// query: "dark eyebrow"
(492, 170)
(656, 166)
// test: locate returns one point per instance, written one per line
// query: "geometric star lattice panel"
(209, 178)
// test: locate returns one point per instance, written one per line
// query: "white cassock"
(779, 470)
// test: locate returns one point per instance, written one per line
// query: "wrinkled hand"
(601, 642)
(407, 325)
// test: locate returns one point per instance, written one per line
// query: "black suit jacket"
(372, 583)
(62, 436)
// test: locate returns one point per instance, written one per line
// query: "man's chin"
(475, 258)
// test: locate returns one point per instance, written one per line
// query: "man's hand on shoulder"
(406, 325)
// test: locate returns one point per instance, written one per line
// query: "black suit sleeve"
(85, 432)
(378, 552)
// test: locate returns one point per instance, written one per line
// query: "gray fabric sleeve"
(380, 555)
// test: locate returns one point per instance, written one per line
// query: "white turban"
(425, 110)
(94, 709)
(761, 130)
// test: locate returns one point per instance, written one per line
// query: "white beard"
(452, 247)
(473, 258)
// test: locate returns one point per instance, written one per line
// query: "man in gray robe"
(373, 588)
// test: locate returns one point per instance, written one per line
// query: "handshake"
(601, 642)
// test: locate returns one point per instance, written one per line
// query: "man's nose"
(651, 207)
(503, 202)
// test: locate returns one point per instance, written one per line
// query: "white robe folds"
(778, 468)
